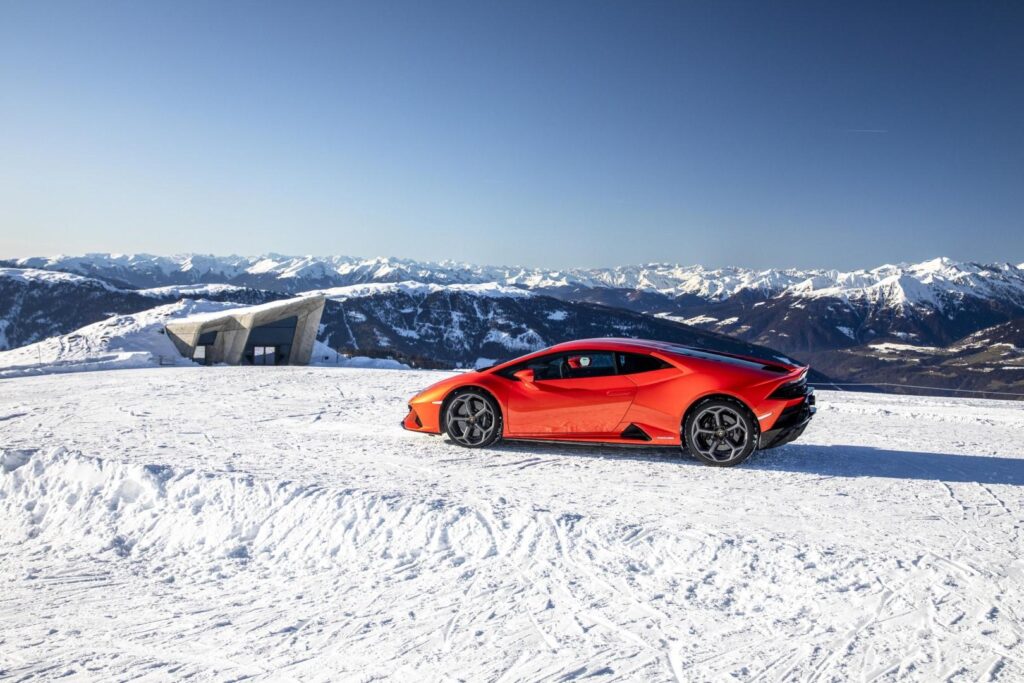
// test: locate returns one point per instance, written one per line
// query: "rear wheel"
(472, 419)
(720, 432)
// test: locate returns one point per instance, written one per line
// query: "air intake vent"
(635, 433)
(416, 416)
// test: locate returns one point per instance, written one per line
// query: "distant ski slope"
(277, 523)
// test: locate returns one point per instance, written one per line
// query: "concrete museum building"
(275, 333)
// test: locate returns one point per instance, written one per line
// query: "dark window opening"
(203, 354)
(574, 365)
(632, 363)
(264, 355)
(271, 343)
(582, 365)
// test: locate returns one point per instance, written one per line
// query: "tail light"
(791, 390)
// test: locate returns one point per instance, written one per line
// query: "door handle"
(618, 392)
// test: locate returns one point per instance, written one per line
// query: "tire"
(472, 419)
(720, 432)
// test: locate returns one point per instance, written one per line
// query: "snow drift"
(79, 504)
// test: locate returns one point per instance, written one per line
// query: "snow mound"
(123, 341)
(80, 504)
(325, 356)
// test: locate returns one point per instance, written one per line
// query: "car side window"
(575, 365)
(543, 367)
(549, 367)
(588, 364)
(633, 363)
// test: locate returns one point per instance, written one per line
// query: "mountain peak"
(926, 283)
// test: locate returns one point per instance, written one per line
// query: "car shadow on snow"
(834, 461)
(864, 461)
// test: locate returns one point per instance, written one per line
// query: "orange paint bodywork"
(599, 409)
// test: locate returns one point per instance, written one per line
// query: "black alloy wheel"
(472, 419)
(720, 432)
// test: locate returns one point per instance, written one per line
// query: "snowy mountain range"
(937, 281)
(456, 314)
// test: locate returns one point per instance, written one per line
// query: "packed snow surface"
(277, 523)
(325, 355)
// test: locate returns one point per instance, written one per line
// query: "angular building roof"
(233, 329)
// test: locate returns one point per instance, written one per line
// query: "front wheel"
(720, 433)
(472, 419)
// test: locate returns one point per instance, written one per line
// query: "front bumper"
(423, 417)
(412, 421)
(791, 423)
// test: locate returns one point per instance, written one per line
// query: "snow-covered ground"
(277, 523)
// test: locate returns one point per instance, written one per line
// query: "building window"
(271, 343)
(264, 355)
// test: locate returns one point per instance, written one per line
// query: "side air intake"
(635, 433)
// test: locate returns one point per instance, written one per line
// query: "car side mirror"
(525, 376)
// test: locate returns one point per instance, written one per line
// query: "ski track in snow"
(277, 523)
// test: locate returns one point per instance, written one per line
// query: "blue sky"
(550, 133)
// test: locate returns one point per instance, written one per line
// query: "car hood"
(438, 389)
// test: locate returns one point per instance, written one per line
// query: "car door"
(577, 393)
(659, 397)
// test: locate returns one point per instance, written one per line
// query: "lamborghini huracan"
(717, 406)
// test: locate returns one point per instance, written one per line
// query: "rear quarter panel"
(703, 378)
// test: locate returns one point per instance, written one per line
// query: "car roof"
(614, 343)
(649, 345)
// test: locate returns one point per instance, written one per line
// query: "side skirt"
(623, 443)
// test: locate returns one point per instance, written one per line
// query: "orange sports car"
(720, 407)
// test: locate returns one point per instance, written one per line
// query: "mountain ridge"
(846, 323)
(897, 283)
